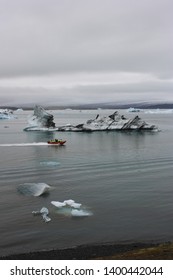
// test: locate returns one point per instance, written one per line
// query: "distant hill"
(112, 105)
(142, 105)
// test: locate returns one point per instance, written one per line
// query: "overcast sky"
(85, 51)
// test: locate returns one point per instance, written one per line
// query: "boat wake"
(26, 144)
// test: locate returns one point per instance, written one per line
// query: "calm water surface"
(124, 179)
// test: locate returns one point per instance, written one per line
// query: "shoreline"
(138, 251)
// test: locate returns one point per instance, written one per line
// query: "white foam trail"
(25, 144)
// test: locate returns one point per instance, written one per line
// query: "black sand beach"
(138, 251)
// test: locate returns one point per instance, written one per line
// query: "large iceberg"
(112, 122)
(41, 120)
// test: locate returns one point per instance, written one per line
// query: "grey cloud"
(44, 37)
(81, 94)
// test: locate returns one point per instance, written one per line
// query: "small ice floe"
(44, 213)
(71, 208)
(49, 163)
(34, 189)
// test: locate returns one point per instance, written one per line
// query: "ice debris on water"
(44, 213)
(67, 207)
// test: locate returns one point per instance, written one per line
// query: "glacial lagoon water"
(123, 179)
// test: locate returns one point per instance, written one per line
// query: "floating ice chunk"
(44, 210)
(49, 163)
(72, 203)
(46, 218)
(80, 213)
(69, 202)
(58, 204)
(44, 213)
(19, 110)
(134, 110)
(70, 208)
(35, 189)
(76, 205)
(6, 114)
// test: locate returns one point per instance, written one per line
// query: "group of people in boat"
(56, 140)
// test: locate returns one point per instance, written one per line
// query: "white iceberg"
(72, 203)
(40, 120)
(19, 110)
(71, 208)
(33, 189)
(58, 204)
(6, 114)
(133, 110)
(114, 122)
(69, 202)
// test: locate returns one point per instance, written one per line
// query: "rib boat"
(57, 142)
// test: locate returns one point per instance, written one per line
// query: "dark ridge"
(113, 105)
